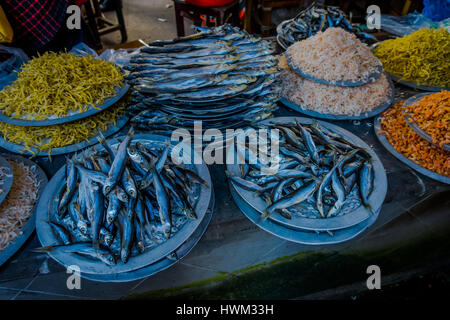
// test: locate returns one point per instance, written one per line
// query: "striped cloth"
(35, 22)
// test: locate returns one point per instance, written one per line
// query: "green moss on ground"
(308, 272)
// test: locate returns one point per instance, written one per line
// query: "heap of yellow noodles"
(58, 84)
(422, 57)
(46, 138)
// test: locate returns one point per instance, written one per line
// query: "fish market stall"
(120, 208)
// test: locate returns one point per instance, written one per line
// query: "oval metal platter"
(327, 116)
(7, 181)
(120, 92)
(162, 264)
(301, 236)
(413, 124)
(355, 212)
(388, 146)
(17, 148)
(341, 83)
(413, 85)
(46, 209)
(28, 229)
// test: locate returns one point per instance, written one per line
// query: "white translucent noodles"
(18, 205)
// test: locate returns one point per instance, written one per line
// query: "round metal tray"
(71, 117)
(17, 148)
(162, 264)
(341, 83)
(416, 86)
(301, 236)
(387, 145)
(409, 118)
(351, 218)
(7, 181)
(328, 116)
(46, 209)
(411, 84)
(28, 228)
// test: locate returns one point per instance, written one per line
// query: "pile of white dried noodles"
(18, 205)
(331, 99)
(334, 54)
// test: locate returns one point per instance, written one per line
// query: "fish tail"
(101, 138)
(44, 249)
(264, 215)
(369, 208)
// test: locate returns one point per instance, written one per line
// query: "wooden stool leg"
(248, 15)
(266, 21)
(92, 24)
(179, 20)
(121, 20)
(235, 19)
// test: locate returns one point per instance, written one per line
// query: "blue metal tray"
(355, 213)
(46, 209)
(297, 235)
(413, 124)
(411, 84)
(328, 116)
(28, 229)
(417, 86)
(72, 117)
(17, 148)
(341, 83)
(7, 182)
(387, 145)
(162, 264)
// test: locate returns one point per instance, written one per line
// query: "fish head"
(107, 187)
(120, 194)
(141, 246)
(110, 219)
(82, 226)
(132, 151)
(132, 192)
(107, 258)
(190, 213)
(108, 239)
(125, 255)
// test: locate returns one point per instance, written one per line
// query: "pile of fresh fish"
(317, 167)
(313, 19)
(120, 202)
(222, 76)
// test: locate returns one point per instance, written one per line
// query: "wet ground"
(143, 21)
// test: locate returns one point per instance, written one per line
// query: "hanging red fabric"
(209, 3)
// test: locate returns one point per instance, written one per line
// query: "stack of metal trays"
(22, 148)
(302, 223)
(223, 77)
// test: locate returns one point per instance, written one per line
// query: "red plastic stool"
(183, 9)
(209, 3)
